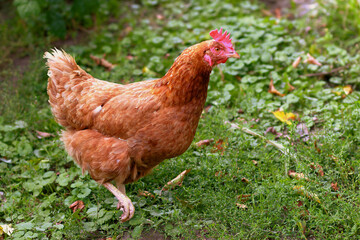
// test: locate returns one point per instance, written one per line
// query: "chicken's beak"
(233, 55)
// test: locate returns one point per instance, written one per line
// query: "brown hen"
(120, 132)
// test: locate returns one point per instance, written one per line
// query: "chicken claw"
(128, 212)
(124, 204)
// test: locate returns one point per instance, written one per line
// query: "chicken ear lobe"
(207, 58)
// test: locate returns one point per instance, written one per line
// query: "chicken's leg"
(124, 202)
(121, 187)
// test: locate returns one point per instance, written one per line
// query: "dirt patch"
(21, 64)
(17, 56)
(17, 66)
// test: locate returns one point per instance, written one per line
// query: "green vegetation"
(320, 200)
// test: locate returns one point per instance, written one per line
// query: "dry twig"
(335, 70)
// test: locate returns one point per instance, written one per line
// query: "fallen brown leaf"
(176, 181)
(146, 194)
(296, 175)
(219, 146)
(241, 206)
(311, 60)
(273, 90)
(316, 147)
(296, 62)
(103, 62)
(205, 142)
(219, 174)
(243, 197)
(290, 87)
(318, 168)
(245, 180)
(334, 186)
(44, 134)
(77, 205)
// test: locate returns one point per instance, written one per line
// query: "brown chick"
(120, 132)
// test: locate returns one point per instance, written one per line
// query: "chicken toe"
(124, 204)
(127, 208)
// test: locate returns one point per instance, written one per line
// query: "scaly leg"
(121, 187)
(126, 205)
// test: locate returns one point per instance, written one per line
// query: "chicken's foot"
(124, 202)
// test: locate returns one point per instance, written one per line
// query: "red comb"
(222, 38)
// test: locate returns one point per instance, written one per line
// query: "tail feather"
(60, 64)
(63, 74)
(60, 56)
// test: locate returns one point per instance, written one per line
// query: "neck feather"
(188, 78)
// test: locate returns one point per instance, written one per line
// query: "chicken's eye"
(217, 49)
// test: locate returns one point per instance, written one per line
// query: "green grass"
(41, 182)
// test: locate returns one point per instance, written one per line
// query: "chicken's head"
(221, 49)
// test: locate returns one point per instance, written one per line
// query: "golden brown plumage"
(120, 132)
